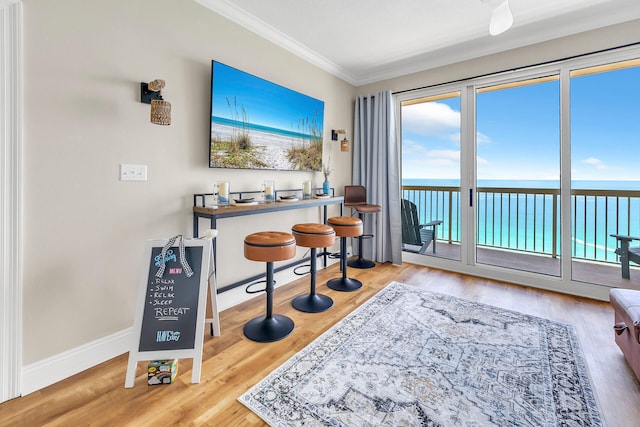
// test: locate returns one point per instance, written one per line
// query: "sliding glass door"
(518, 175)
(605, 181)
(431, 175)
(532, 171)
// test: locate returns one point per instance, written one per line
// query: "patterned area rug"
(413, 358)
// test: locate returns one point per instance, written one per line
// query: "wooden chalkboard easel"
(171, 309)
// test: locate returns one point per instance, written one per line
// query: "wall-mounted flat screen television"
(256, 124)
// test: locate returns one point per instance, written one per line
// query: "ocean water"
(583, 185)
(527, 222)
(215, 120)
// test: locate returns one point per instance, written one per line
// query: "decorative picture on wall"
(256, 124)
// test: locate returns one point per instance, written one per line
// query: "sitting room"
(261, 152)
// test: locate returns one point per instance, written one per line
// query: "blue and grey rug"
(408, 357)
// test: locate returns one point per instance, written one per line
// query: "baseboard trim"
(49, 371)
(64, 365)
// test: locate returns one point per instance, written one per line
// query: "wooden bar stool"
(345, 226)
(313, 236)
(355, 197)
(269, 246)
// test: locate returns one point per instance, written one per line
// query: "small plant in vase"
(326, 170)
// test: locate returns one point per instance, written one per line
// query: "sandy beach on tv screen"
(272, 147)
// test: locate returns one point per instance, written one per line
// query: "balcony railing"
(528, 219)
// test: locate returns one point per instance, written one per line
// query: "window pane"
(605, 127)
(431, 173)
(518, 175)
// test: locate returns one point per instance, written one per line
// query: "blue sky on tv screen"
(518, 131)
(265, 103)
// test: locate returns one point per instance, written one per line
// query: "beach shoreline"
(272, 148)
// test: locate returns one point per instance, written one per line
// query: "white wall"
(84, 230)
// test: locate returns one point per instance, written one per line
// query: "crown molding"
(517, 37)
(520, 35)
(233, 13)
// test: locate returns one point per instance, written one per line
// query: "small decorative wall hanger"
(160, 109)
(344, 143)
(336, 132)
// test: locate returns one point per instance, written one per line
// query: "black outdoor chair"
(627, 253)
(415, 234)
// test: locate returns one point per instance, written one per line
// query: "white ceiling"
(364, 41)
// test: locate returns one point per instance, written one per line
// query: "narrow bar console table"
(215, 212)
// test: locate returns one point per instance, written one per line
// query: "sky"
(265, 103)
(518, 131)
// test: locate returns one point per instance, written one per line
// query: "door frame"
(11, 101)
(564, 283)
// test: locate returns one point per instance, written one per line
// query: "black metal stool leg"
(361, 262)
(344, 283)
(271, 327)
(312, 303)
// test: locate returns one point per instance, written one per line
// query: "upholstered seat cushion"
(626, 305)
(268, 246)
(628, 301)
(355, 196)
(367, 209)
(346, 226)
(314, 235)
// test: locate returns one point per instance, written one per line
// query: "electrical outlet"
(133, 172)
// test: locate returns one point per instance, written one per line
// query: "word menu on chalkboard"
(170, 314)
(171, 305)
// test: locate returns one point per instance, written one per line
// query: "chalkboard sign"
(171, 305)
(171, 308)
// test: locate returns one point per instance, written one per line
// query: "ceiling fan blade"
(501, 19)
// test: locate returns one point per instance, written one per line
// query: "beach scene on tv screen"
(257, 124)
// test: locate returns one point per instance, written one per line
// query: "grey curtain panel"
(376, 166)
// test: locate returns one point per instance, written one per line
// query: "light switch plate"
(133, 172)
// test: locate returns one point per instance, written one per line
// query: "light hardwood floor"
(232, 364)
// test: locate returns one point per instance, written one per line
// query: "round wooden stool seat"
(269, 246)
(355, 197)
(314, 235)
(346, 226)
(366, 209)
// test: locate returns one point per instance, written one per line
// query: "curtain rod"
(519, 68)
